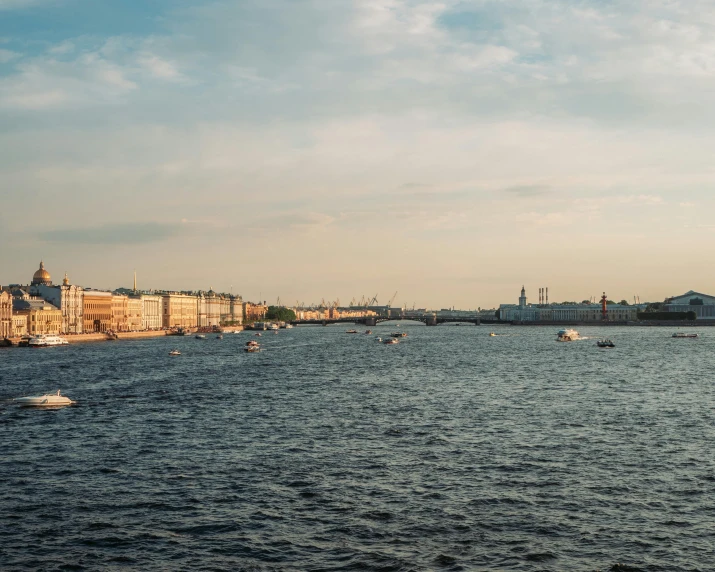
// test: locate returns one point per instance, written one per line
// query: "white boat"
(274, 327)
(174, 353)
(47, 400)
(45, 340)
(200, 337)
(378, 338)
(567, 335)
(684, 335)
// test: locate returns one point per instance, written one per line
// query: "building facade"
(19, 326)
(41, 317)
(5, 315)
(119, 313)
(134, 314)
(702, 304)
(97, 311)
(253, 312)
(525, 312)
(179, 310)
(151, 312)
(69, 299)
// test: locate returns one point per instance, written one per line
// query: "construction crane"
(389, 304)
(352, 302)
(373, 301)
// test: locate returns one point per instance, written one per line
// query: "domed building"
(41, 276)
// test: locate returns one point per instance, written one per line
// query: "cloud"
(528, 190)
(124, 233)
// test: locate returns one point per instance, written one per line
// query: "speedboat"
(200, 337)
(378, 338)
(605, 344)
(391, 341)
(351, 331)
(567, 336)
(46, 340)
(399, 334)
(368, 332)
(492, 335)
(675, 335)
(174, 353)
(252, 347)
(274, 327)
(258, 334)
(252, 343)
(47, 400)
(219, 337)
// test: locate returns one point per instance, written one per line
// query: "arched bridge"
(429, 320)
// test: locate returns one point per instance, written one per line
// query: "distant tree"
(586, 302)
(654, 307)
(691, 315)
(624, 303)
(280, 313)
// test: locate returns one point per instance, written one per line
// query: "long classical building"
(5, 315)
(67, 297)
(41, 317)
(524, 312)
(702, 304)
(179, 310)
(151, 312)
(97, 311)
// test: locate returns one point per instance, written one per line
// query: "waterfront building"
(134, 313)
(525, 312)
(41, 317)
(68, 298)
(235, 315)
(179, 310)
(254, 312)
(97, 311)
(151, 312)
(119, 313)
(19, 326)
(702, 304)
(5, 315)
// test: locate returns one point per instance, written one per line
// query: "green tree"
(623, 303)
(280, 313)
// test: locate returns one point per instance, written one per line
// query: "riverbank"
(643, 323)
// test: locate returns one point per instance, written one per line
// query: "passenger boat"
(391, 342)
(567, 336)
(174, 353)
(47, 400)
(605, 344)
(684, 335)
(46, 340)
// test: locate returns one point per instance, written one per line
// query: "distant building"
(525, 312)
(68, 298)
(19, 326)
(97, 311)
(41, 317)
(179, 310)
(134, 313)
(702, 304)
(119, 313)
(5, 315)
(151, 312)
(254, 312)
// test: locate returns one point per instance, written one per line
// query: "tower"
(65, 280)
(135, 281)
(522, 298)
(604, 307)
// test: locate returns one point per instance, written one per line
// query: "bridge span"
(428, 320)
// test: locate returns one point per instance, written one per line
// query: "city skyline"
(448, 151)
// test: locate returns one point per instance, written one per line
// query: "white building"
(702, 304)
(151, 312)
(524, 312)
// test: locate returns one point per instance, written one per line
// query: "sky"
(449, 151)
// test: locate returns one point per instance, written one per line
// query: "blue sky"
(450, 150)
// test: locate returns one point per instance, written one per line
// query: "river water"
(326, 451)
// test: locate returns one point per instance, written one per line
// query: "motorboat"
(399, 334)
(567, 336)
(200, 337)
(252, 343)
(675, 335)
(351, 331)
(258, 334)
(274, 327)
(288, 326)
(492, 335)
(391, 342)
(378, 338)
(46, 340)
(174, 353)
(47, 400)
(368, 332)
(606, 343)
(219, 337)
(252, 347)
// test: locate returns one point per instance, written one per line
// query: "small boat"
(378, 338)
(174, 353)
(252, 343)
(219, 337)
(351, 331)
(684, 335)
(605, 344)
(492, 335)
(200, 337)
(288, 326)
(391, 342)
(274, 327)
(252, 349)
(46, 400)
(368, 332)
(567, 336)
(46, 340)
(258, 335)
(399, 334)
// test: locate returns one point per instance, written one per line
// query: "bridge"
(427, 319)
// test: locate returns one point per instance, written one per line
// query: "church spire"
(135, 280)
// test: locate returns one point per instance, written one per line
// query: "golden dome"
(42, 276)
